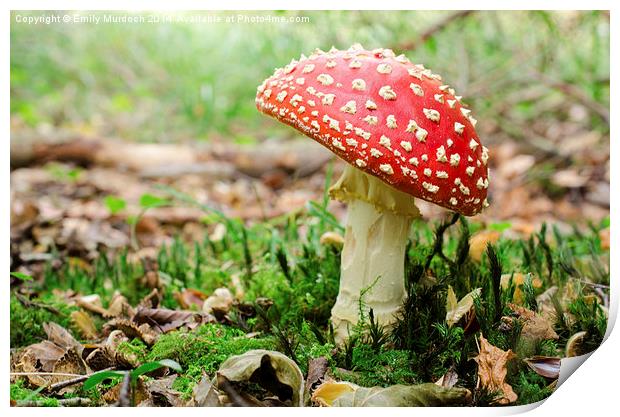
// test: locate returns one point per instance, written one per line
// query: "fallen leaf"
(219, 303)
(454, 310)
(535, 327)
(205, 394)
(61, 336)
(164, 320)
(189, 298)
(346, 394)
(84, 322)
(547, 366)
(272, 370)
(119, 306)
(332, 239)
(449, 379)
(605, 238)
(492, 370)
(574, 345)
(46, 353)
(478, 243)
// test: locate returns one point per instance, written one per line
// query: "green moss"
(27, 322)
(530, 387)
(20, 393)
(135, 347)
(203, 350)
(383, 368)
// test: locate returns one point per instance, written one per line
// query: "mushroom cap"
(388, 117)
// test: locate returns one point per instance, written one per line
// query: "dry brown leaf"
(189, 298)
(220, 302)
(547, 366)
(492, 370)
(535, 327)
(61, 336)
(119, 306)
(605, 238)
(46, 353)
(332, 239)
(455, 310)
(70, 363)
(132, 330)
(84, 322)
(165, 320)
(478, 243)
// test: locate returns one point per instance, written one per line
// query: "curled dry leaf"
(164, 320)
(61, 336)
(605, 238)
(189, 298)
(332, 239)
(219, 303)
(119, 306)
(492, 370)
(346, 394)
(478, 243)
(449, 379)
(535, 327)
(574, 345)
(205, 394)
(132, 330)
(85, 324)
(546, 366)
(455, 310)
(273, 371)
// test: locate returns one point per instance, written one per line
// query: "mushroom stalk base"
(372, 266)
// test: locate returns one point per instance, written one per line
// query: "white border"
(592, 390)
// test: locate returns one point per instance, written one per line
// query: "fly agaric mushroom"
(404, 135)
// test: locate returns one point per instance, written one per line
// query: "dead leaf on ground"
(455, 310)
(478, 243)
(219, 303)
(61, 336)
(189, 298)
(492, 370)
(84, 322)
(346, 394)
(605, 238)
(535, 327)
(164, 320)
(546, 366)
(205, 394)
(273, 371)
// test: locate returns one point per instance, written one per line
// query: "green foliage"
(102, 70)
(114, 204)
(205, 348)
(20, 393)
(27, 321)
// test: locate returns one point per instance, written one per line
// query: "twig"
(28, 303)
(43, 374)
(63, 384)
(432, 30)
(125, 394)
(63, 402)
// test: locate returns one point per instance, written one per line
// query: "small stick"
(63, 384)
(42, 374)
(63, 402)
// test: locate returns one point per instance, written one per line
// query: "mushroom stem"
(372, 264)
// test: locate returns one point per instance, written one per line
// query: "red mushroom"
(404, 134)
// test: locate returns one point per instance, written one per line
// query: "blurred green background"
(165, 82)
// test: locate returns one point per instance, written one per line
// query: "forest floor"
(127, 255)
